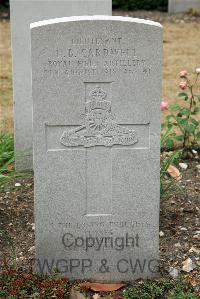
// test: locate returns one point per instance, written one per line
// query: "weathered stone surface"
(24, 12)
(175, 6)
(96, 119)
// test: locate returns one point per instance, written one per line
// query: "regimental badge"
(100, 127)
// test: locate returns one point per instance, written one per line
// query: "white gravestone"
(96, 120)
(24, 12)
(176, 6)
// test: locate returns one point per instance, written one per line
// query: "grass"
(168, 184)
(165, 289)
(15, 284)
(6, 157)
(181, 51)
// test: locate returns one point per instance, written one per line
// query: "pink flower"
(198, 70)
(183, 74)
(183, 85)
(163, 106)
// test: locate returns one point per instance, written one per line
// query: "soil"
(179, 223)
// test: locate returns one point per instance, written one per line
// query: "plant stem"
(186, 135)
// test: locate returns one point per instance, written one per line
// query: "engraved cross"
(99, 133)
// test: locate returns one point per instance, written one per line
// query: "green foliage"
(16, 284)
(6, 148)
(140, 4)
(182, 122)
(167, 183)
(165, 289)
(193, 12)
(6, 156)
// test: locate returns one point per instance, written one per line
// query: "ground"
(181, 51)
(179, 223)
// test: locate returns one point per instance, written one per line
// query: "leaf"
(169, 126)
(194, 121)
(170, 143)
(163, 125)
(188, 265)
(10, 167)
(179, 137)
(174, 172)
(175, 107)
(181, 121)
(196, 110)
(169, 118)
(190, 128)
(183, 94)
(75, 294)
(198, 135)
(185, 111)
(101, 286)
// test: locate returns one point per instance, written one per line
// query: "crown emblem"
(97, 100)
(98, 94)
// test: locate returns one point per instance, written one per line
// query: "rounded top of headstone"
(94, 18)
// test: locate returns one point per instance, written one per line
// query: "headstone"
(176, 6)
(96, 120)
(24, 12)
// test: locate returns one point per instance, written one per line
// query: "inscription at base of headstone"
(96, 123)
